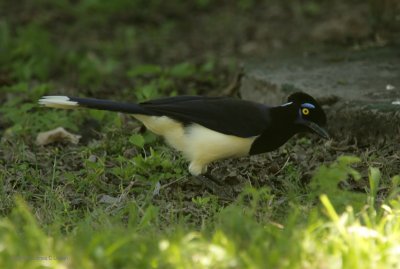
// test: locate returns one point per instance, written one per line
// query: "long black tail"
(67, 102)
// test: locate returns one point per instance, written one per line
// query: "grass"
(242, 234)
(121, 198)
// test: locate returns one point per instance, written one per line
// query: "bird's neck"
(283, 117)
(281, 129)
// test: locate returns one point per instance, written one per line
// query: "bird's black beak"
(316, 129)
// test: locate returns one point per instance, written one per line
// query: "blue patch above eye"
(307, 105)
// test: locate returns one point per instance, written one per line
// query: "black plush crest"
(301, 97)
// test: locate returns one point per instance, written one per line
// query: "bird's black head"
(309, 114)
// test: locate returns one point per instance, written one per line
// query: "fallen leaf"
(107, 199)
(57, 135)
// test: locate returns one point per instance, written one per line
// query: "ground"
(121, 198)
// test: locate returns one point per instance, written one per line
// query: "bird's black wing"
(222, 114)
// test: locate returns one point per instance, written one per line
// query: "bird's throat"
(280, 131)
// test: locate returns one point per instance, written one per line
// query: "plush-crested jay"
(207, 129)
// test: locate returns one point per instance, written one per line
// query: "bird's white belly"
(171, 130)
(199, 144)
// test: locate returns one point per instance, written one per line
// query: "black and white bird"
(207, 129)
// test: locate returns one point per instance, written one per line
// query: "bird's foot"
(215, 186)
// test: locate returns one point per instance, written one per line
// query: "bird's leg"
(214, 186)
(199, 170)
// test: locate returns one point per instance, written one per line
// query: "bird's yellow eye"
(305, 111)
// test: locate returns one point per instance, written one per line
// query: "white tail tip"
(58, 102)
